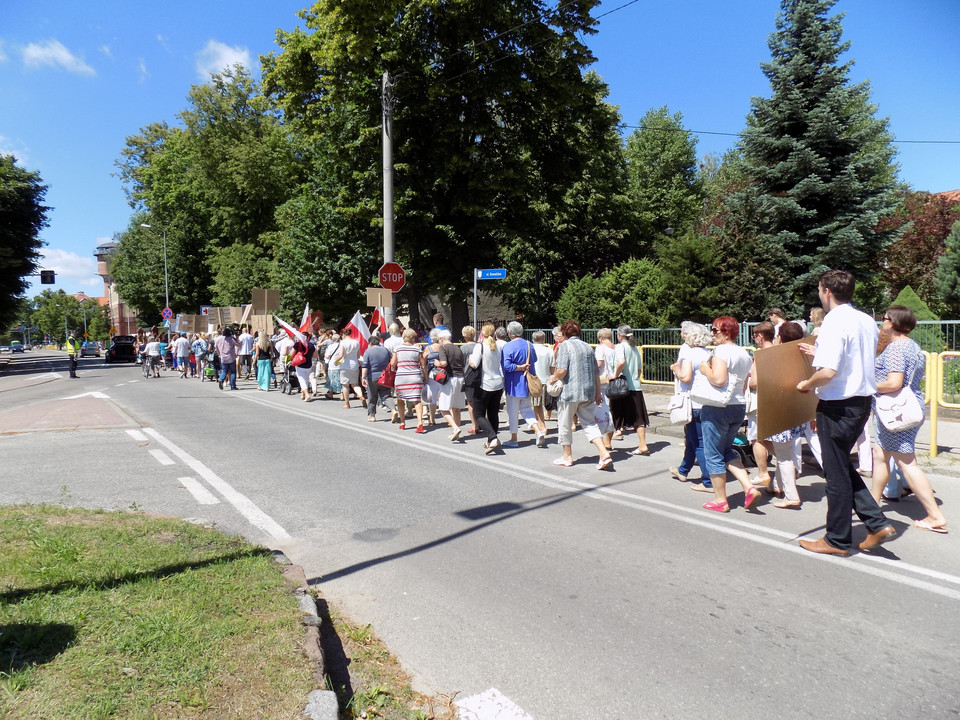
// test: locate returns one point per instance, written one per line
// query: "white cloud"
(52, 53)
(3, 55)
(81, 269)
(142, 70)
(15, 148)
(217, 56)
(105, 49)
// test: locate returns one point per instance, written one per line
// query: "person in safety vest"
(73, 352)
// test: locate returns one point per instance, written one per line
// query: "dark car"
(123, 349)
(16, 346)
(89, 349)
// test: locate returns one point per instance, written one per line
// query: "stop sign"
(392, 277)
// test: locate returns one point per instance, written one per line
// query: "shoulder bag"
(534, 384)
(680, 407)
(388, 377)
(706, 393)
(900, 410)
(617, 388)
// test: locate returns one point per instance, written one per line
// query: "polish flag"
(359, 331)
(305, 321)
(378, 320)
(291, 330)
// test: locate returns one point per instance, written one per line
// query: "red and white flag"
(378, 320)
(306, 321)
(358, 331)
(291, 330)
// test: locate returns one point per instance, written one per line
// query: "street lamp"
(166, 284)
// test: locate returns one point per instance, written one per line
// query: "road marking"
(161, 456)
(95, 394)
(244, 505)
(199, 492)
(861, 562)
(490, 705)
(137, 435)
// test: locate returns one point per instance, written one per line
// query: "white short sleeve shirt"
(847, 343)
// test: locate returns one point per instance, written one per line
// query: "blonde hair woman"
(486, 398)
(411, 367)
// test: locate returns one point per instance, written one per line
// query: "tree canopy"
(22, 216)
(820, 162)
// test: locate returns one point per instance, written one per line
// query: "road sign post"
(486, 274)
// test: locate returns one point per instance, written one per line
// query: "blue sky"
(76, 79)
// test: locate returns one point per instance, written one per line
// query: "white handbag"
(680, 407)
(706, 393)
(900, 410)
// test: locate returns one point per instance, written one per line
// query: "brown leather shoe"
(878, 538)
(823, 547)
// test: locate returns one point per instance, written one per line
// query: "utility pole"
(389, 100)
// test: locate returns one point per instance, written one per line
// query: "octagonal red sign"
(392, 277)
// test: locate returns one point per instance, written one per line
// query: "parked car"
(16, 346)
(90, 349)
(123, 349)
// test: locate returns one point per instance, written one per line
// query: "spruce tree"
(948, 272)
(821, 162)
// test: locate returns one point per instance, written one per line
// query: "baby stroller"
(211, 366)
(289, 382)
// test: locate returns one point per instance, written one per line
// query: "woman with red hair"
(727, 370)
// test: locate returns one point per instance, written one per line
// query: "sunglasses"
(713, 329)
(887, 317)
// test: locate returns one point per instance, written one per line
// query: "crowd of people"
(422, 382)
(854, 364)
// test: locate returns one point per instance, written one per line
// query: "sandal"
(638, 451)
(563, 462)
(720, 507)
(787, 504)
(925, 525)
(751, 495)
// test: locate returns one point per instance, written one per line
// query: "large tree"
(666, 192)
(925, 221)
(22, 216)
(214, 184)
(494, 124)
(821, 162)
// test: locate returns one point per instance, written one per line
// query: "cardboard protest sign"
(779, 404)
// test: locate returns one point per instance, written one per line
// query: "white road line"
(161, 456)
(199, 492)
(860, 562)
(244, 505)
(95, 394)
(490, 705)
(137, 435)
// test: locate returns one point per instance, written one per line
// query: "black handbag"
(618, 388)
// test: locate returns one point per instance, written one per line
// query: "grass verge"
(108, 614)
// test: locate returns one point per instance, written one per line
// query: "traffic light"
(48, 277)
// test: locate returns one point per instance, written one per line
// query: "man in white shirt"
(244, 352)
(844, 381)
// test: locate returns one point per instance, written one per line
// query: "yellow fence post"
(936, 393)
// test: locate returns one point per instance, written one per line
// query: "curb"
(321, 704)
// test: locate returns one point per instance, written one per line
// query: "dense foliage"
(22, 216)
(820, 162)
(508, 154)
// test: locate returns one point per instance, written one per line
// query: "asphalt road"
(575, 593)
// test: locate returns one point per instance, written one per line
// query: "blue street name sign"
(492, 274)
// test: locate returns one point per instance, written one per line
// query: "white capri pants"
(586, 411)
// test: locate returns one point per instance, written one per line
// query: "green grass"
(124, 615)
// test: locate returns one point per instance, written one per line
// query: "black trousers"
(839, 424)
(486, 409)
(73, 365)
